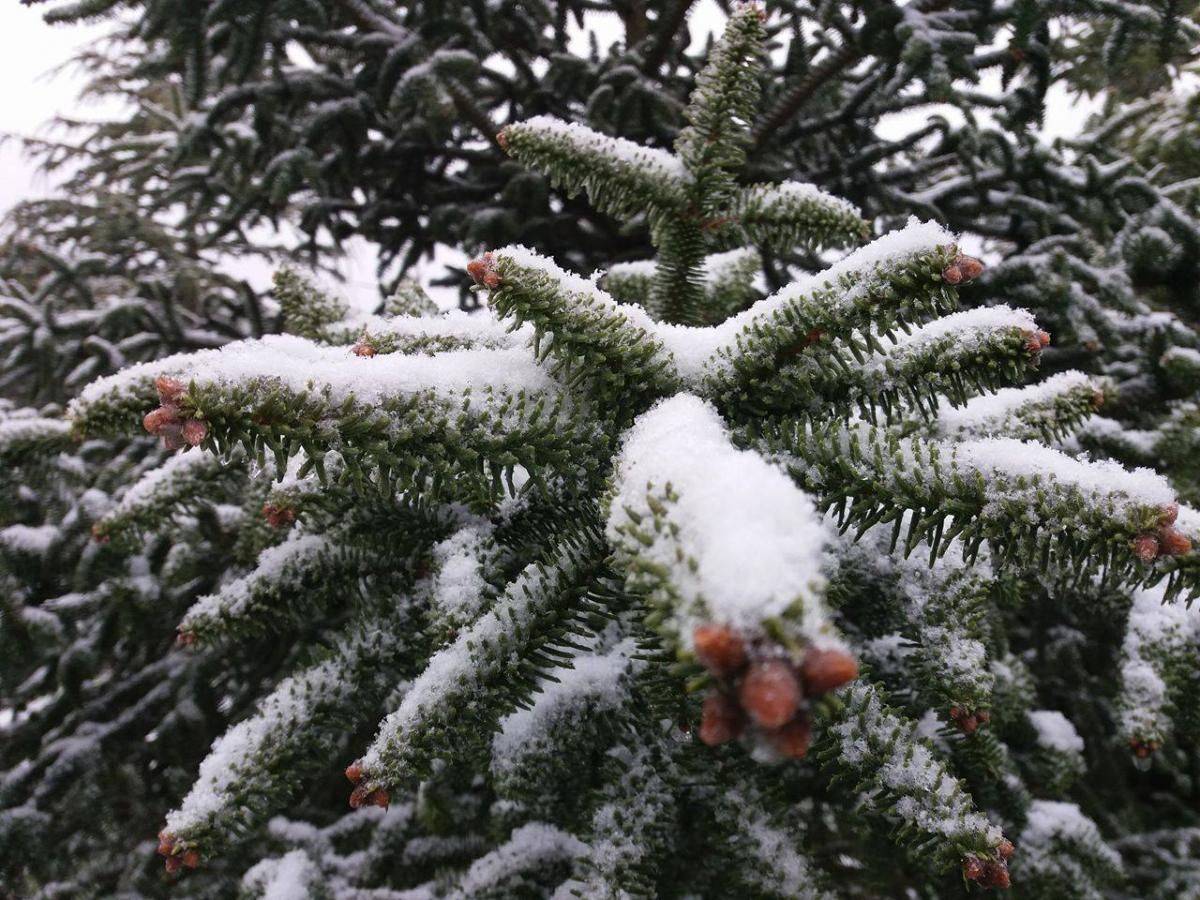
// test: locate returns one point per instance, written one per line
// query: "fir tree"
(645, 584)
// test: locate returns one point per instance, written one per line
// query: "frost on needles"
(641, 568)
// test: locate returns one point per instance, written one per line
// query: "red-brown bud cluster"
(185, 639)
(502, 138)
(1166, 540)
(99, 535)
(363, 348)
(365, 794)
(964, 269)
(483, 270)
(1144, 749)
(969, 720)
(761, 688)
(167, 421)
(1036, 341)
(278, 516)
(177, 856)
(990, 872)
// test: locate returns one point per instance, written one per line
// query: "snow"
(795, 193)
(469, 660)
(1051, 821)
(273, 566)
(529, 847)
(988, 412)
(1155, 632)
(1188, 355)
(458, 587)
(694, 349)
(288, 878)
(744, 543)
(931, 799)
(598, 680)
(15, 430)
(970, 328)
(301, 365)
(34, 540)
(233, 757)
(776, 865)
(1095, 478)
(165, 476)
(1055, 731)
(662, 163)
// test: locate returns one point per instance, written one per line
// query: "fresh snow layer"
(749, 542)
(530, 847)
(233, 755)
(988, 412)
(1051, 822)
(663, 163)
(287, 878)
(1055, 731)
(696, 348)
(1097, 478)
(300, 365)
(598, 680)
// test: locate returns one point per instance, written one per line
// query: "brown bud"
(996, 874)
(1033, 344)
(278, 516)
(719, 648)
(1043, 338)
(191, 859)
(952, 275)
(479, 269)
(99, 535)
(826, 670)
(1170, 513)
(1174, 542)
(793, 739)
(721, 719)
(172, 436)
(1097, 399)
(380, 797)
(185, 639)
(770, 692)
(363, 349)
(166, 843)
(502, 138)
(174, 864)
(354, 773)
(169, 389)
(1145, 547)
(1005, 849)
(491, 280)
(973, 868)
(970, 267)
(984, 716)
(360, 796)
(194, 432)
(157, 419)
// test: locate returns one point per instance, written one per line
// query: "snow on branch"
(902, 780)
(713, 534)
(1047, 410)
(793, 212)
(620, 177)
(469, 684)
(1029, 501)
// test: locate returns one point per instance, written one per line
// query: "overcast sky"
(29, 50)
